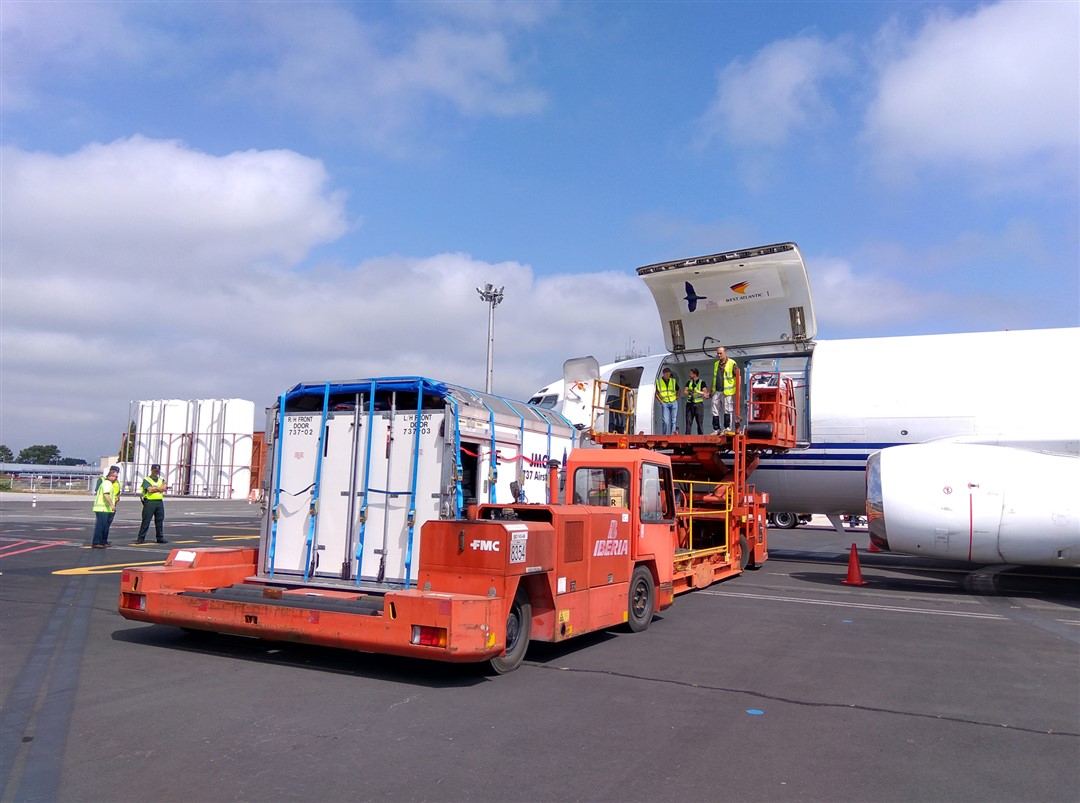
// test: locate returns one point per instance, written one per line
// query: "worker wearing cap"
(105, 498)
(153, 505)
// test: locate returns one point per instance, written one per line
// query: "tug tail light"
(428, 636)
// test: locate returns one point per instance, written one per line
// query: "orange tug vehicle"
(628, 539)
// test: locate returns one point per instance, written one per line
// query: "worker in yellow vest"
(106, 495)
(696, 392)
(725, 379)
(153, 505)
(667, 394)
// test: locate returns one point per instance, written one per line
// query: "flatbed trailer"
(614, 546)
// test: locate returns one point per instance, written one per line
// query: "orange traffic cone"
(854, 573)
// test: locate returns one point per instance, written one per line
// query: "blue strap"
(521, 453)
(493, 472)
(459, 496)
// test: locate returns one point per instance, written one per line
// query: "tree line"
(40, 455)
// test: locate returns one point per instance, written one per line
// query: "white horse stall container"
(161, 436)
(356, 468)
(204, 446)
(221, 449)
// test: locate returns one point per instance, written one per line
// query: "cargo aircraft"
(958, 446)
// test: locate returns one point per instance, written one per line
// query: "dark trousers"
(102, 521)
(694, 412)
(152, 509)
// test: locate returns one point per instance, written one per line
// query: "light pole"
(492, 297)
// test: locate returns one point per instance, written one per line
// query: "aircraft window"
(548, 402)
(607, 487)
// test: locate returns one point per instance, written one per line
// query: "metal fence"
(46, 482)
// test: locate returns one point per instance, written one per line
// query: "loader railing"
(617, 404)
(700, 503)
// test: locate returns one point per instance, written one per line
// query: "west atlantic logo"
(741, 294)
(692, 298)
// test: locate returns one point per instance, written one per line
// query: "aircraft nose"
(875, 503)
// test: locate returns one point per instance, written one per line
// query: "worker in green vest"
(106, 496)
(725, 379)
(667, 394)
(696, 392)
(153, 505)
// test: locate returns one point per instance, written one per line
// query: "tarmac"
(934, 681)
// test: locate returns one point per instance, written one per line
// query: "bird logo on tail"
(692, 297)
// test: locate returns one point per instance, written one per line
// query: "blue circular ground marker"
(754, 712)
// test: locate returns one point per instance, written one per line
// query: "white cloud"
(774, 95)
(995, 89)
(152, 206)
(61, 40)
(493, 13)
(968, 282)
(850, 299)
(378, 73)
(380, 79)
(142, 269)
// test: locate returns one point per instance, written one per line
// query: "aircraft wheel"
(518, 628)
(641, 601)
(784, 521)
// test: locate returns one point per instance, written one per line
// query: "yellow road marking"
(109, 568)
(234, 537)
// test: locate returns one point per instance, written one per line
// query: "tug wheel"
(744, 551)
(518, 628)
(642, 600)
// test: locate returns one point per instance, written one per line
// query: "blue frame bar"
(277, 483)
(367, 483)
(412, 487)
(313, 511)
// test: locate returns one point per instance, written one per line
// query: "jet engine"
(975, 502)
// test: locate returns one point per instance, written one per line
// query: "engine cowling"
(975, 502)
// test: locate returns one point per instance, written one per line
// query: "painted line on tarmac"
(108, 568)
(5, 551)
(234, 537)
(862, 605)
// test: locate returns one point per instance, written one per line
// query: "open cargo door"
(760, 296)
(755, 302)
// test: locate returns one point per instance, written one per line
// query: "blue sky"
(213, 200)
